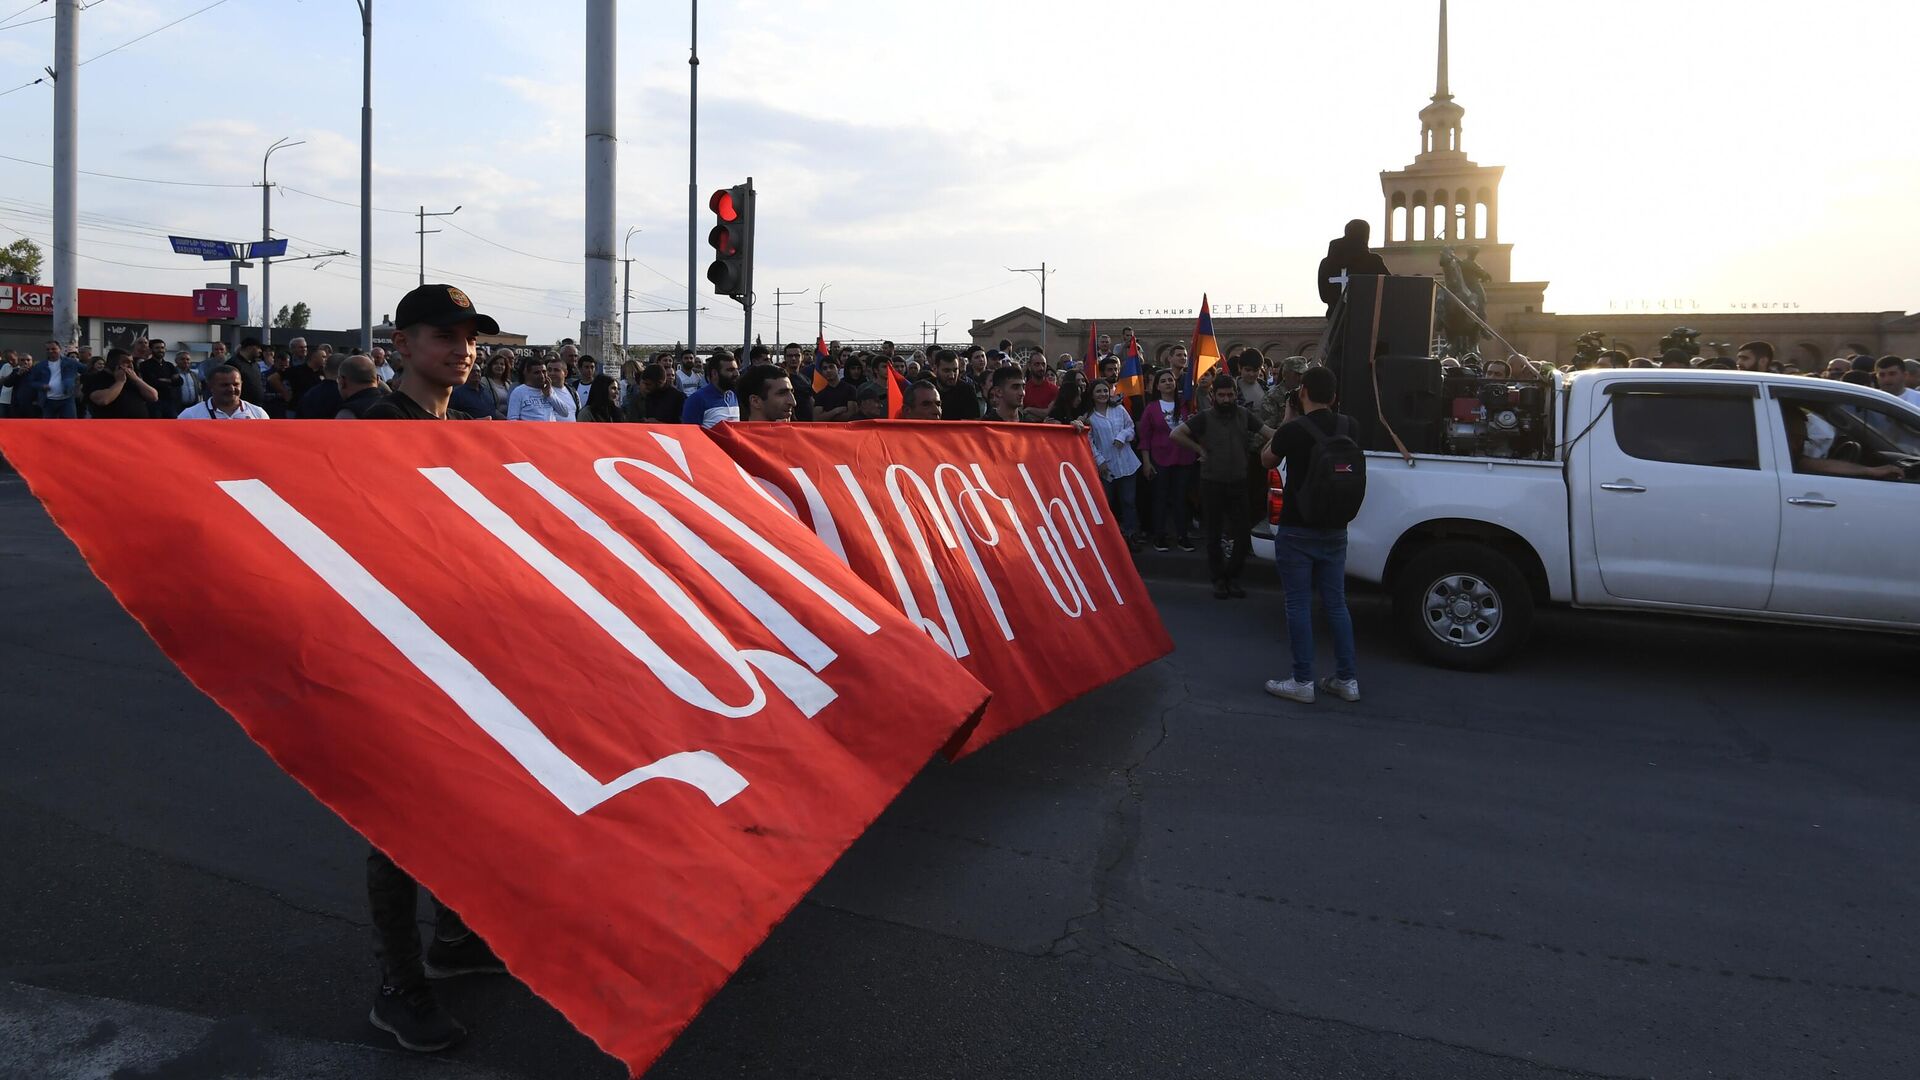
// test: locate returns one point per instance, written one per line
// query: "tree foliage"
(295, 317)
(21, 262)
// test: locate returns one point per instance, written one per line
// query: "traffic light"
(732, 241)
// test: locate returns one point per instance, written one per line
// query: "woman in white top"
(1110, 429)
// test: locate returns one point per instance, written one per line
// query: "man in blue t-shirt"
(715, 402)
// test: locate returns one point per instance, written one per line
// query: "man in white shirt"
(1891, 374)
(379, 356)
(535, 398)
(223, 400)
(565, 405)
(687, 375)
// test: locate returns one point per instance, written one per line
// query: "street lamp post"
(266, 233)
(820, 305)
(1040, 272)
(693, 172)
(366, 176)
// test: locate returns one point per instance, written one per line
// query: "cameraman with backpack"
(1326, 481)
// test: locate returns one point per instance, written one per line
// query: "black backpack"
(1330, 494)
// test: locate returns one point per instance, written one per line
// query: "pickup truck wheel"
(1463, 605)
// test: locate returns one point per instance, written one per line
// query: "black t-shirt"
(959, 401)
(128, 406)
(398, 406)
(1295, 445)
(833, 397)
(299, 380)
(802, 396)
(319, 403)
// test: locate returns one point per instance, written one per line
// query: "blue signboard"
(266, 249)
(211, 250)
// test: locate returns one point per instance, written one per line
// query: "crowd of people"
(1184, 461)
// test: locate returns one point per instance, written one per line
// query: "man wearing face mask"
(1224, 438)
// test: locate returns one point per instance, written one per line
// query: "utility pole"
(66, 170)
(366, 177)
(693, 176)
(603, 151)
(777, 305)
(820, 305)
(939, 320)
(423, 231)
(266, 233)
(1041, 272)
(626, 286)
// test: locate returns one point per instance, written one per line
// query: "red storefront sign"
(110, 304)
(26, 300)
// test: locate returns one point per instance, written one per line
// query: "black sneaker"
(1160, 544)
(1234, 590)
(1186, 544)
(1220, 589)
(414, 1018)
(469, 955)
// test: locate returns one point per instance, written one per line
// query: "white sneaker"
(1292, 690)
(1344, 689)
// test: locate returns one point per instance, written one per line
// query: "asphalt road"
(1647, 848)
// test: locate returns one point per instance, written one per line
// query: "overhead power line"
(131, 179)
(122, 45)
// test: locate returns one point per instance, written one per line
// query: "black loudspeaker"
(1400, 337)
(1410, 398)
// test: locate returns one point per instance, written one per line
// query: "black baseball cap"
(440, 305)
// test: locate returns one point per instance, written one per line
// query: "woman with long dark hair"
(496, 380)
(1173, 465)
(601, 406)
(1073, 403)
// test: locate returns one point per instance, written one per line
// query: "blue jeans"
(1310, 561)
(57, 408)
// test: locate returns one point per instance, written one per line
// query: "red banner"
(576, 679)
(995, 538)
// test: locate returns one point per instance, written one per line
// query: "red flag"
(896, 393)
(1090, 367)
(994, 538)
(582, 684)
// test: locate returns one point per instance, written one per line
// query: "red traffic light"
(722, 205)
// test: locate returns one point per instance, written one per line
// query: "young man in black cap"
(436, 330)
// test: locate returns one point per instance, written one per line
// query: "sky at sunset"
(1713, 153)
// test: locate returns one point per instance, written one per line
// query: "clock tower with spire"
(1444, 199)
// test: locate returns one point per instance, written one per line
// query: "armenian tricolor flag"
(1205, 353)
(819, 354)
(1133, 380)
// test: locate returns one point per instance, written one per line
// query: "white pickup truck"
(1732, 494)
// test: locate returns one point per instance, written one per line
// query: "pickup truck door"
(1683, 493)
(1842, 537)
